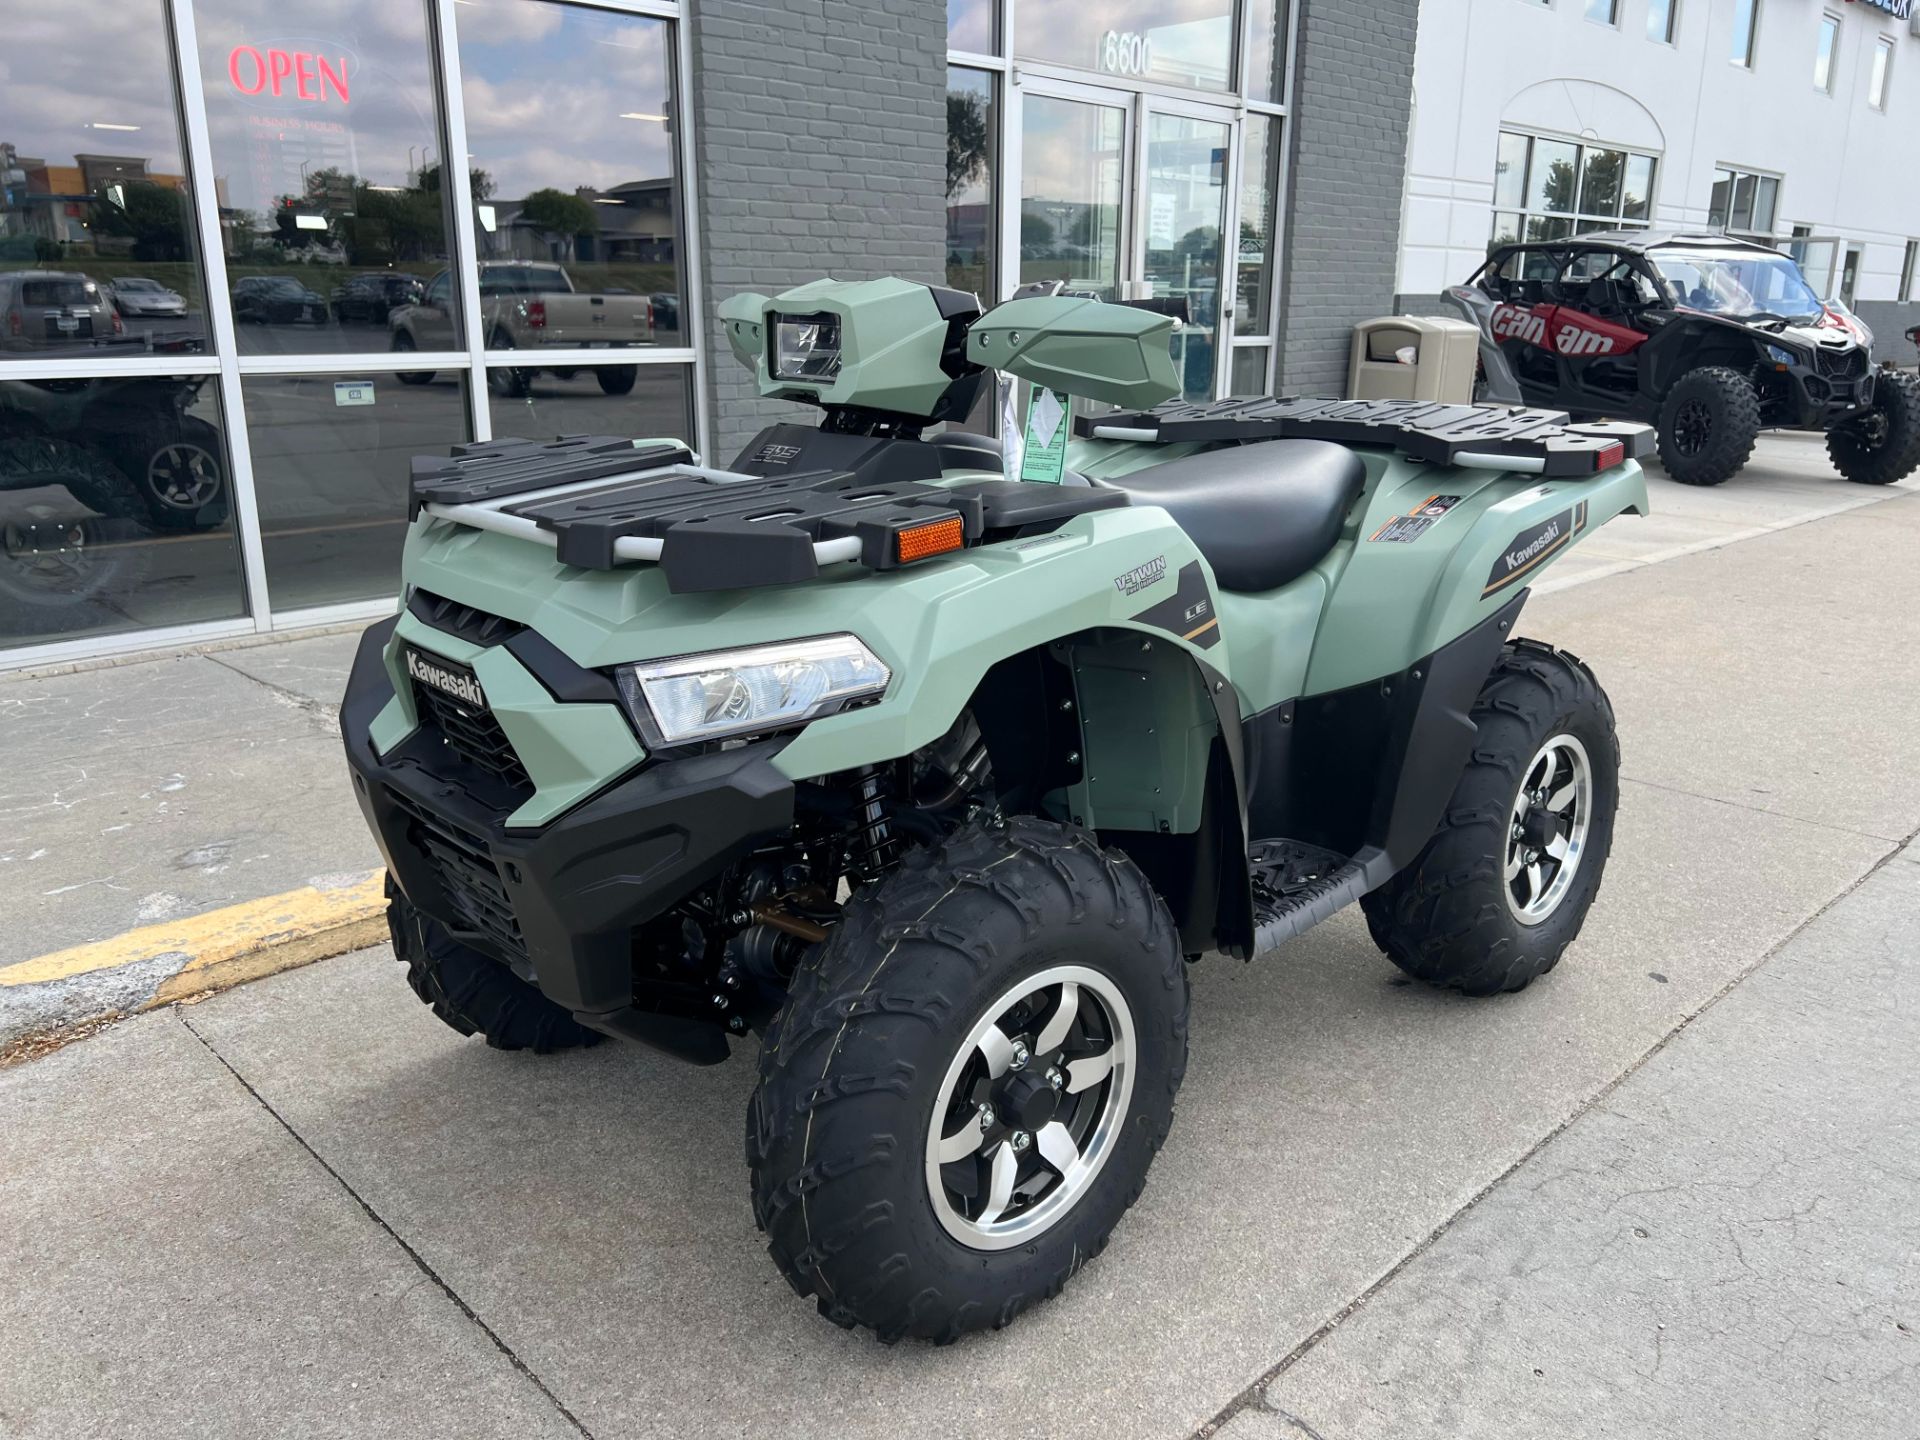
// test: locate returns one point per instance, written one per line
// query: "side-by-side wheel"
(1883, 445)
(1707, 425)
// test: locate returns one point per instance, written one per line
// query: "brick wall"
(821, 140)
(1353, 90)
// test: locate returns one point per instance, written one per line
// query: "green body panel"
(1368, 609)
(1110, 353)
(569, 750)
(892, 336)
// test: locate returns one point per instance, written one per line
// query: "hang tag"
(1045, 449)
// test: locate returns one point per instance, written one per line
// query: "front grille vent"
(464, 866)
(474, 736)
(1841, 364)
(473, 625)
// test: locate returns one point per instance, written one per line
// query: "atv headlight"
(767, 687)
(1783, 356)
(806, 347)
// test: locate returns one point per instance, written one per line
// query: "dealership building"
(1790, 122)
(240, 284)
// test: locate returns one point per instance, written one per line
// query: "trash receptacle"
(1413, 357)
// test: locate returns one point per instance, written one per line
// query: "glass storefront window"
(1250, 370)
(1174, 42)
(330, 469)
(327, 159)
(970, 26)
(115, 507)
(97, 248)
(1072, 160)
(1260, 169)
(1185, 206)
(1267, 50)
(1593, 187)
(571, 117)
(971, 229)
(643, 401)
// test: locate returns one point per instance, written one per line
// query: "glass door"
(1129, 197)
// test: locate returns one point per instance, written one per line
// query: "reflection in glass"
(1744, 14)
(1249, 370)
(330, 465)
(1639, 193)
(970, 175)
(1175, 42)
(327, 167)
(1260, 166)
(1510, 172)
(1600, 186)
(571, 118)
(1823, 53)
(1551, 182)
(1072, 159)
(115, 510)
(1185, 201)
(970, 26)
(97, 254)
(1661, 15)
(1267, 50)
(637, 401)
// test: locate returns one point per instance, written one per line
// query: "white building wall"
(1847, 170)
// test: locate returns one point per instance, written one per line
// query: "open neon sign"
(254, 71)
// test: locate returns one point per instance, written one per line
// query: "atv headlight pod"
(765, 687)
(1783, 356)
(806, 347)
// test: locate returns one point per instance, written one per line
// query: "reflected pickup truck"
(529, 305)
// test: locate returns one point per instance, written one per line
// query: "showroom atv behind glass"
(937, 779)
(1709, 338)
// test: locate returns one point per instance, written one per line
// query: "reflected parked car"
(52, 309)
(375, 296)
(136, 295)
(277, 300)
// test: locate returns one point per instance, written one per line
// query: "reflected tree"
(969, 140)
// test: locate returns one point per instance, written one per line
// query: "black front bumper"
(559, 903)
(1819, 402)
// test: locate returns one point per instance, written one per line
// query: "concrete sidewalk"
(307, 1207)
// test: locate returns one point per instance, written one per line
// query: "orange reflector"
(1610, 456)
(918, 542)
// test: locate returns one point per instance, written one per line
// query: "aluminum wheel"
(183, 476)
(1548, 835)
(1030, 1108)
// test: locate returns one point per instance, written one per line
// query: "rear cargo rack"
(600, 501)
(1486, 437)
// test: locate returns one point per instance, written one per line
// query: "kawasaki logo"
(1510, 322)
(1517, 558)
(461, 687)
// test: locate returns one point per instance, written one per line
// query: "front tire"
(474, 993)
(1883, 445)
(1505, 883)
(616, 379)
(1707, 425)
(968, 1082)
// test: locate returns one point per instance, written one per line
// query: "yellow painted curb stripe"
(232, 945)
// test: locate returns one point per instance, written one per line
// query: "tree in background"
(153, 216)
(560, 216)
(969, 140)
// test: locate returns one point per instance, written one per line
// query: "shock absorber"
(875, 828)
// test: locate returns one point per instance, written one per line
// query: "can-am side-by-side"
(1708, 338)
(935, 780)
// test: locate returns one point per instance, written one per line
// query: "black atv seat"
(1262, 514)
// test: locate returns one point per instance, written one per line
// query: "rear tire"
(474, 993)
(403, 345)
(1456, 916)
(616, 379)
(1707, 425)
(882, 1059)
(1884, 445)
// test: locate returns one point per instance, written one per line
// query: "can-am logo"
(463, 688)
(1578, 340)
(1141, 576)
(1510, 322)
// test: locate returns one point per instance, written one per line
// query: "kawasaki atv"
(1709, 338)
(936, 779)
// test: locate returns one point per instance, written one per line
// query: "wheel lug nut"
(1056, 1077)
(1021, 1055)
(987, 1117)
(1020, 1140)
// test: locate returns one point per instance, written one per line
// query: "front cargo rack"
(1485, 437)
(601, 501)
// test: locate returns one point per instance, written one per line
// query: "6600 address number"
(1125, 52)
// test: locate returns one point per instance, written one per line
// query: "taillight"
(14, 323)
(650, 315)
(118, 328)
(1610, 456)
(537, 314)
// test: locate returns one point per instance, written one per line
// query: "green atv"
(937, 779)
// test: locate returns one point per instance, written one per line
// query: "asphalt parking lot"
(305, 1207)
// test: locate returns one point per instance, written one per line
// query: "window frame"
(1829, 24)
(1880, 76)
(1576, 217)
(1751, 10)
(1671, 35)
(1909, 270)
(1734, 174)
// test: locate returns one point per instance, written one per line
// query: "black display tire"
(617, 379)
(474, 993)
(403, 344)
(1446, 918)
(1886, 446)
(855, 1063)
(1707, 425)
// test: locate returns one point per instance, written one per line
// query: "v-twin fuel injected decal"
(1533, 547)
(1141, 576)
(1189, 612)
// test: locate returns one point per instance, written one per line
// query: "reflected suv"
(54, 309)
